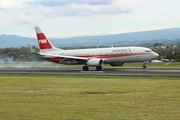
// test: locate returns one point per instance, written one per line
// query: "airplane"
(93, 57)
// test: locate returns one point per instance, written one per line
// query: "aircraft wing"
(63, 56)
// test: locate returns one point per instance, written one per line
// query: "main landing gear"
(86, 68)
(98, 68)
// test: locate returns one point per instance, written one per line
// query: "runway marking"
(91, 71)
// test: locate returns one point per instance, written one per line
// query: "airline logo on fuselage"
(121, 50)
(42, 41)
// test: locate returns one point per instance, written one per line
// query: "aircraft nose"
(155, 55)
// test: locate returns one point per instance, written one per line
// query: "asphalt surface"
(149, 72)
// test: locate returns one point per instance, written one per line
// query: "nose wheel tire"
(144, 67)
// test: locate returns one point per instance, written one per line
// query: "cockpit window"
(148, 50)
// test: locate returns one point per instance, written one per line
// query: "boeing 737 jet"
(115, 56)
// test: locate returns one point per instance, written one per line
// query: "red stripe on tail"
(43, 41)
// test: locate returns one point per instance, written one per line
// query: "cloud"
(9, 4)
(89, 10)
(52, 3)
(31, 12)
(80, 7)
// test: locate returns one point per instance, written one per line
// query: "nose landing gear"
(144, 64)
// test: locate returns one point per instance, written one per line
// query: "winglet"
(31, 49)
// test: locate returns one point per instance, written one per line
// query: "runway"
(149, 72)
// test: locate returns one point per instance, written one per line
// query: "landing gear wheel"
(144, 67)
(85, 68)
(98, 68)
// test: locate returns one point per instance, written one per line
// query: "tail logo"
(43, 41)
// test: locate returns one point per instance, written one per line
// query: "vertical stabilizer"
(44, 43)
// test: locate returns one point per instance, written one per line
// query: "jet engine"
(117, 64)
(94, 62)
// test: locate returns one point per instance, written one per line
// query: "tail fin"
(44, 43)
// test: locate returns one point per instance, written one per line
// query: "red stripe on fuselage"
(112, 55)
(108, 55)
(53, 59)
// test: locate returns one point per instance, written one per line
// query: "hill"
(123, 39)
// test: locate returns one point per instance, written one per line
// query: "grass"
(89, 98)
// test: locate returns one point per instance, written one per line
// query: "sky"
(69, 18)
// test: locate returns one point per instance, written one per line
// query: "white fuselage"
(109, 55)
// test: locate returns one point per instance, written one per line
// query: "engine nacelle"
(94, 62)
(117, 64)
